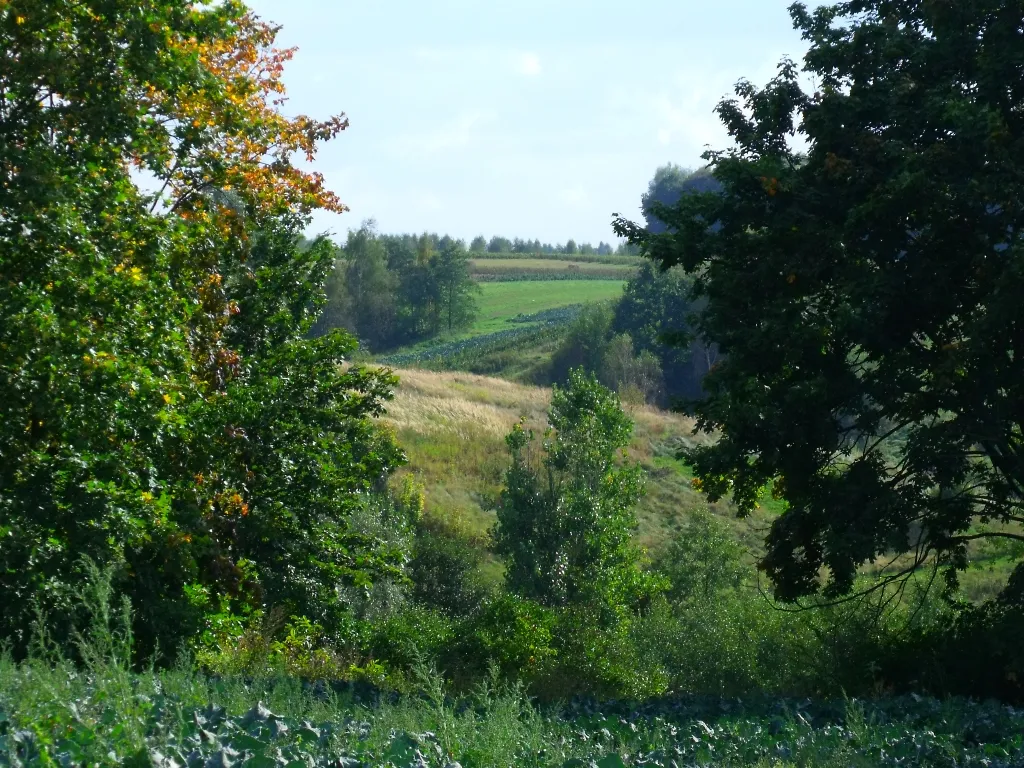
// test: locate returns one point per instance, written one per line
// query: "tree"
(479, 244)
(865, 291)
(564, 527)
(657, 310)
(371, 287)
(456, 288)
(499, 245)
(585, 343)
(160, 410)
(570, 247)
(670, 182)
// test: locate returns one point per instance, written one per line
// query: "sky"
(533, 119)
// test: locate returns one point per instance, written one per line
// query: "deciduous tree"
(865, 287)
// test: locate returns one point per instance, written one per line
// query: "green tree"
(570, 247)
(160, 410)
(371, 287)
(499, 245)
(479, 244)
(657, 310)
(866, 289)
(456, 287)
(703, 560)
(565, 526)
(585, 343)
(671, 182)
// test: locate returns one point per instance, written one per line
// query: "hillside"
(453, 427)
(517, 328)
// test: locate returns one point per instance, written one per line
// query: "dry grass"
(453, 427)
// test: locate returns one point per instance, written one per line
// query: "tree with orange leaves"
(161, 412)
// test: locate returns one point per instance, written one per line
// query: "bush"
(513, 634)
(445, 573)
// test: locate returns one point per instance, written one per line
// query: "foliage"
(658, 312)
(48, 716)
(444, 571)
(564, 528)
(671, 182)
(591, 344)
(456, 300)
(585, 343)
(865, 291)
(395, 289)
(515, 636)
(703, 560)
(160, 410)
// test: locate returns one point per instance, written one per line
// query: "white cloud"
(529, 64)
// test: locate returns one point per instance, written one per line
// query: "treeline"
(498, 244)
(643, 345)
(390, 290)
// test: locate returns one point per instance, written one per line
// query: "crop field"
(105, 715)
(500, 302)
(524, 268)
(580, 258)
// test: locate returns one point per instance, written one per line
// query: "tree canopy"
(161, 412)
(864, 286)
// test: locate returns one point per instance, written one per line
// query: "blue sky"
(535, 118)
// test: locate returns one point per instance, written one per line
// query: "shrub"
(444, 573)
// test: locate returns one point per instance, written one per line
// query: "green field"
(501, 301)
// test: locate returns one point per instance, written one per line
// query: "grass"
(499, 302)
(453, 427)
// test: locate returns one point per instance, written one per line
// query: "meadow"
(501, 301)
(453, 424)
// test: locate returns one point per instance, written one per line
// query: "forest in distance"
(745, 489)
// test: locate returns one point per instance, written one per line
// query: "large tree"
(160, 409)
(670, 182)
(455, 286)
(865, 284)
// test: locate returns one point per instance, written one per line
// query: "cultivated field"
(500, 302)
(505, 270)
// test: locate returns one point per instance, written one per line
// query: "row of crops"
(152, 728)
(519, 275)
(529, 328)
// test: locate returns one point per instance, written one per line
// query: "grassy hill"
(517, 329)
(453, 427)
